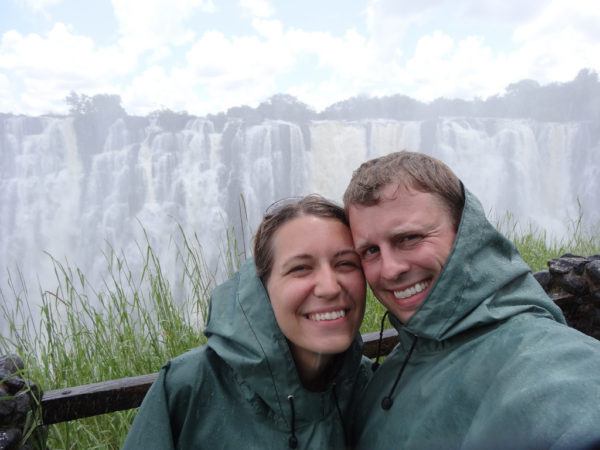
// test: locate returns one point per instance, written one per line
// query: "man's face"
(404, 242)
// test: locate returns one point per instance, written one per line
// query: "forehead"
(400, 208)
(310, 235)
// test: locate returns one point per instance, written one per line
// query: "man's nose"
(393, 266)
(326, 283)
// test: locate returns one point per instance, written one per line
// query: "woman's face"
(316, 287)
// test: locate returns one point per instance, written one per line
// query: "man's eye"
(409, 239)
(370, 251)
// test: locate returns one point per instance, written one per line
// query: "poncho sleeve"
(151, 428)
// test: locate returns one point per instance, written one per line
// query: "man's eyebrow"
(362, 247)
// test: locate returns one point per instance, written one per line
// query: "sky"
(204, 56)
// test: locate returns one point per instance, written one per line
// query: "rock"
(23, 404)
(566, 263)
(9, 439)
(7, 408)
(17, 400)
(544, 278)
(14, 384)
(592, 270)
(573, 284)
(11, 364)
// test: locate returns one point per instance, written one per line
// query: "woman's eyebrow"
(296, 258)
(345, 251)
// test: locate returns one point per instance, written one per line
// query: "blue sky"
(204, 56)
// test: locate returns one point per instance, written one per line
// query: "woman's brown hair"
(282, 212)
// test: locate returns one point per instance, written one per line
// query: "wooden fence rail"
(62, 405)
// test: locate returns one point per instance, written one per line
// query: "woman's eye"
(298, 269)
(348, 264)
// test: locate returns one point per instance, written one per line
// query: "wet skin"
(317, 289)
(403, 242)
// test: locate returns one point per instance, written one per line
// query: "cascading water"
(77, 200)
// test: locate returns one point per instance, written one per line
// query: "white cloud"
(253, 67)
(59, 53)
(388, 21)
(444, 67)
(580, 15)
(6, 93)
(151, 24)
(40, 6)
(257, 8)
(560, 41)
(48, 67)
(552, 41)
(156, 89)
(213, 71)
(215, 56)
(498, 10)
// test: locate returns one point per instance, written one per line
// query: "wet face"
(403, 242)
(316, 287)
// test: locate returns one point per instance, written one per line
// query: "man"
(485, 359)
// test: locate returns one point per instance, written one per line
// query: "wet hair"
(410, 170)
(282, 212)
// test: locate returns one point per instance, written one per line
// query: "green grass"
(537, 248)
(132, 324)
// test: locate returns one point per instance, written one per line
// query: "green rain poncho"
(242, 389)
(488, 361)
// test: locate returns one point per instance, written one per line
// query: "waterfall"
(78, 199)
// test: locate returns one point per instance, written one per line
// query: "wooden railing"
(62, 405)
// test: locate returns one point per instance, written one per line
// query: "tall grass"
(537, 247)
(132, 324)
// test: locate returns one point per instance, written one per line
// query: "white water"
(76, 204)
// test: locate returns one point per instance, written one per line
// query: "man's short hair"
(412, 170)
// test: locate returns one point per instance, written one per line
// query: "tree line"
(574, 100)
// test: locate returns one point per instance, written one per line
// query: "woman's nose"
(326, 283)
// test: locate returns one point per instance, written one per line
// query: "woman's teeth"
(332, 315)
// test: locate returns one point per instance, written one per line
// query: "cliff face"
(76, 188)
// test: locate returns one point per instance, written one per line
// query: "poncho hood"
(486, 362)
(484, 281)
(243, 331)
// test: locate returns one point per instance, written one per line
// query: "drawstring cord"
(387, 402)
(375, 365)
(339, 411)
(293, 440)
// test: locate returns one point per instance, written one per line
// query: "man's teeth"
(332, 315)
(419, 287)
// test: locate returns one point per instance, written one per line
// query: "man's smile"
(412, 290)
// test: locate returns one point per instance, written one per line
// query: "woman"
(281, 363)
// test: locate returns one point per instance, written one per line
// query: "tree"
(103, 105)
